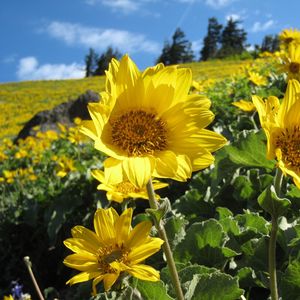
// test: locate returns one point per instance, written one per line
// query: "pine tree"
(233, 39)
(270, 43)
(211, 40)
(90, 63)
(180, 51)
(104, 60)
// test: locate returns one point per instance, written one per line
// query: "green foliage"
(180, 51)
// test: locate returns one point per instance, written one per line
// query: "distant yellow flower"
(244, 105)
(10, 297)
(281, 125)
(291, 61)
(65, 165)
(289, 35)
(149, 125)
(75, 136)
(9, 176)
(257, 79)
(119, 188)
(114, 248)
(21, 154)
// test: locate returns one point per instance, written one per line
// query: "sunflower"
(289, 35)
(257, 79)
(149, 125)
(119, 188)
(281, 125)
(244, 105)
(113, 248)
(291, 61)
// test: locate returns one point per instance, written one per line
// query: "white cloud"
(258, 26)
(100, 39)
(29, 69)
(126, 6)
(218, 3)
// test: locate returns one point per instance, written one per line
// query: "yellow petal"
(202, 160)
(82, 262)
(144, 272)
(81, 277)
(104, 224)
(139, 234)
(122, 226)
(138, 170)
(79, 245)
(210, 140)
(141, 252)
(184, 170)
(109, 280)
(89, 236)
(166, 165)
(293, 88)
(183, 84)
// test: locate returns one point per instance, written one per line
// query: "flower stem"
(272, 242)
(28, 265)
(166, 246)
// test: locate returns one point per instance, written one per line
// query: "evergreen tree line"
(219, 42)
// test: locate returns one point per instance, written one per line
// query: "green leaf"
(249, 149)
(243, 188)
(204, 244)
(272, 204)
(152, 290)
(175, 228)
(214, 286)
(290, 283)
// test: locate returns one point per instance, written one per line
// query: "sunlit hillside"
(20, 101)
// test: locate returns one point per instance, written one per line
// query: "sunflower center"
(109, 254)
(289, 143)
(138, 133)
(294, 67)
(126, 187)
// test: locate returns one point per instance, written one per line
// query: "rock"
(63, 113)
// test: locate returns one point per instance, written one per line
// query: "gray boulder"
(63, 113)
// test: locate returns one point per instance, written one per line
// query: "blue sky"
(48, 39)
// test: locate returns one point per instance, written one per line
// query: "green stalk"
(166, 246)
(272, 242)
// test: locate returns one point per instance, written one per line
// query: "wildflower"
(9, 175)
(149, 125)
(65, 166)
(291, 61)
(244, 105)
(119, 188)
(10, 297)
(112, 249)
(281, 125)
(257, 79)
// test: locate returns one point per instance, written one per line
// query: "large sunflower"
(112, 249)
(119, 189)
(291, 61)
(289, 35)
(149, 125)
(281, 125)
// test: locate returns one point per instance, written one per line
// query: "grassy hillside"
(20, 101)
